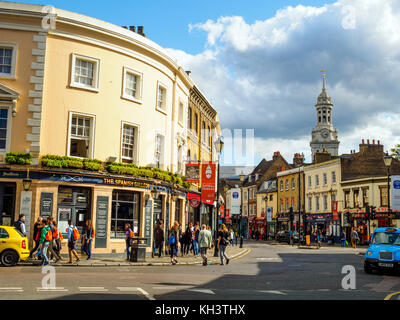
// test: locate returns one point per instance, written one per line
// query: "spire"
(324, 97)
(323, 80)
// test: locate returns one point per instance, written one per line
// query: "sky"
(258, 63)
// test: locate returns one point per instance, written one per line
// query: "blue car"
(384, 251)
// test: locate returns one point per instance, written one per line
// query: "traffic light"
(348, 217)
(373, 212)
(291, 214)
(367, 212)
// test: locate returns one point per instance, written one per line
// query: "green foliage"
(53, 161)
(18, 158)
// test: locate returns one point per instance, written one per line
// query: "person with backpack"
(36, 236)
(57, 238)
(73, 236)
(159, 237)
(87, 238)
(173, 242)
(20, 224)
(53, 253)
(205, 241)
(129, 235)
(46, 236)
(223, 243)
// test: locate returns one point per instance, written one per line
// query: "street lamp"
(219, 145)
(242, 177)
(388, 162)
(27, 182)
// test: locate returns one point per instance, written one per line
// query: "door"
(7, 203)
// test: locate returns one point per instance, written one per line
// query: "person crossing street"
(205, 241)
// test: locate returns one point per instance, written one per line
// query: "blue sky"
(166, 21)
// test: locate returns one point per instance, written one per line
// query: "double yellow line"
(388, 297)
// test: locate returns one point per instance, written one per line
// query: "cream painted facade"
(91, 89)
(320, 180)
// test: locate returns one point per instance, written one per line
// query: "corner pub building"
(87, 89)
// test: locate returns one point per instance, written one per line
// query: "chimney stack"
(379, 142)
(373, 141)
(367, 141)
(362, 141)
(276, 155)
(132, 28)
(140, 31)
(298, 160)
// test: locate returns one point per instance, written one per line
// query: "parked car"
(13, 246)
(384, 251)
(284, 236)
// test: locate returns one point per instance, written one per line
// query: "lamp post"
(388, 161)
(241, 215)
(219, 145)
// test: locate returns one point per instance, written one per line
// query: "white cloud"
(265, 75)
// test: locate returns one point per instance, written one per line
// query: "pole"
(216, 215)
(388, 195)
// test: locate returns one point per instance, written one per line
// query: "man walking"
(20, 224)
(159, 237)
(205, 240)
(46, 236)
(196, 233)
(71, 242)
(343, 239)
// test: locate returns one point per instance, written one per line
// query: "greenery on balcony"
(52, 161)
(18, 158)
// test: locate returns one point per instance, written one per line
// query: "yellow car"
(13, 246)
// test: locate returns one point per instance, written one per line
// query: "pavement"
(265, 272)
(119, 260)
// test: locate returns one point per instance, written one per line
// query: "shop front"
(326, 223)
(110, 202)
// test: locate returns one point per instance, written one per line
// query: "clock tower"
(324, 135)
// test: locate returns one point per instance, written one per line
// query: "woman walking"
(223, 243)
(173, 242)
(87, 238)
(128, 240)
(36, 237)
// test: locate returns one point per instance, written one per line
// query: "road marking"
(146, 294)
(388, 297)
(172, 287)
(41, 289)
(273, 292)
(127, 289)
(324, 290)
(208, 291)
(270, 259)
(93, 289)
(11, 290)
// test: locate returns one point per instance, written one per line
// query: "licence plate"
(387, 265)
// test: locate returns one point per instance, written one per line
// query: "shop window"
(128, 147)
(81, 136)
(125, 209)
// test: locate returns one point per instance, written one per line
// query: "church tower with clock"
(324, 135)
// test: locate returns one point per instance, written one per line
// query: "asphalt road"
(267, 273)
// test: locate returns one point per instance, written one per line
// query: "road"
(268, 272)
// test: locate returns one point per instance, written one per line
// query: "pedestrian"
(36, 236)
(87, 238)
(205, 241)
(354, 238)
(173, 242)
(223, 243)
(73, 236)
(231, 236)
(46, 237)
(20, 224)
(188, 239)
(57, 238)
(343, 239)
(196, 233)
(52, 253)
(129, 235)
(159, 237)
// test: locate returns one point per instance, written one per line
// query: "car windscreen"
(386, 238)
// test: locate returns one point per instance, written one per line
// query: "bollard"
(241, 242)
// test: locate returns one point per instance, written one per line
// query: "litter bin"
(138, 250)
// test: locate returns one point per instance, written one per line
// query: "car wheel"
(9, 258)
(367, 268)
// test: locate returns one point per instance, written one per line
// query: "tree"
(395, 152)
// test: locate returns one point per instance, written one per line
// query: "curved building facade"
(75, 86)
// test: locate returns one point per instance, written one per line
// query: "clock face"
(325, 134)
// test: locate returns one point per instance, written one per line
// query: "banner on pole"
(208, 176)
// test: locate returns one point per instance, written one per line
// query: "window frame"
(333, 177)
(162, 157)
(139, 85)
(136, 141)
(96, 73)
(7, 105)
(164, 109)
(92, 133)
(181, 115)
(13, 72)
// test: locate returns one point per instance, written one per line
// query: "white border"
(73, 84)
(14, 47)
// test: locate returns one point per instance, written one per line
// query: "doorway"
(7, 203)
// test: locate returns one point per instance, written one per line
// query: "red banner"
(194, 200)
(334, 210)
(208, 176)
